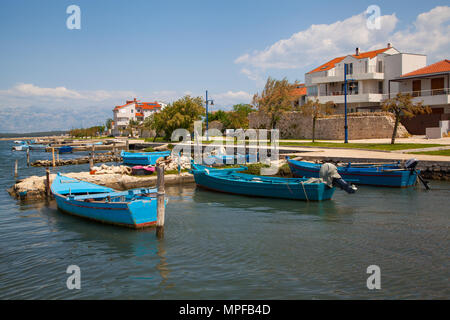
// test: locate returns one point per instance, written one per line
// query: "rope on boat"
(306, 195)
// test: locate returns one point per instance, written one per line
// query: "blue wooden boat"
(133, 208)
(232, 181)
(143, 158)
(388, 175)
(65, 149)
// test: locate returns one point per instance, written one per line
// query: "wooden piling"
(28, 157)
(47, 183)
(16, 165)
(161, 208)
(53, 157)
(128, 145)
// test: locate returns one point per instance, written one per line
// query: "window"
(312, 91)
(349, 67)
(380, 86)
(380, 66)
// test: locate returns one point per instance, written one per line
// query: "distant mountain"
(32, 134)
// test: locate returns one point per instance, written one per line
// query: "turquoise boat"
(143, 158)
(235, 182)
(133, 208)
(388, 175)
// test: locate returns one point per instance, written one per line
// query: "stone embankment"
(65, 162)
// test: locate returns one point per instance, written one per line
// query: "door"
(417, 87)
(437, 86)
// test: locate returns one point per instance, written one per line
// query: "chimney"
(357, 51)
(389, 45)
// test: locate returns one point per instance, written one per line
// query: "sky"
(56, 78)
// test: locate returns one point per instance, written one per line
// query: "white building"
(430, 85)
(368, 78)
(133, 110)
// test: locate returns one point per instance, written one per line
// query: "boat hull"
(143, 159)
(376, 176)
(137, 214)
(311, 192)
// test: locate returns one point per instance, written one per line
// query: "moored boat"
(38, 146)
(233, 181)
(133, 208)
(143, 158)
(65, 149)
(387, 175)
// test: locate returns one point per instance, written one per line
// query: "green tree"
(180, 114)
(403, 105)
(315, 110)
(108, 123)
(275, 99)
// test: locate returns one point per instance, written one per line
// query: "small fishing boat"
(143, 158)
(38, 146)
(20, 147)
(231, 180)
(133, 208)
(65, 149)
(142, 170)
(386, 175)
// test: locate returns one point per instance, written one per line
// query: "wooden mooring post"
(47, 183)
(161, 208)
(128, 145)
(28, 157)
(53, 157)
(91, 159)
(16, 165)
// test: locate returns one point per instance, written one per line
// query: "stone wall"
(294, 125)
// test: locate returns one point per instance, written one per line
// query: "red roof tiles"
(438, 67)
(331, 64)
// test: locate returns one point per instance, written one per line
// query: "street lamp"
(345, 101)
(212, 103)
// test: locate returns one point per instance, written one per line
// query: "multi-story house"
(133, 110)
(430, 85)
(368, 78)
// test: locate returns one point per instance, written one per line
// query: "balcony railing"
(433, 92)
(339, 72)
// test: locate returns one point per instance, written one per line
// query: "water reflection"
(326, 210)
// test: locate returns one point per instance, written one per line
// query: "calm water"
(219, 246)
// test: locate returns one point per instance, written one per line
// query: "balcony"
(428, 97)
(431, 97)
(359, 73)
(339, 97)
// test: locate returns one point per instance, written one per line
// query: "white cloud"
(28, 107)
(429, 34)
(319, 43)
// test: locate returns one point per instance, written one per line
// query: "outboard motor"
(328, 172)
(411, 165)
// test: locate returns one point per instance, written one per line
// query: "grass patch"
(368, 146)
(434, 153)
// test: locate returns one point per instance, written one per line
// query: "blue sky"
(161, 50)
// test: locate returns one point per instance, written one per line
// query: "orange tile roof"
(438, 67)
(299, 91)
(139, 114)
(331, 64)
(149, 105)
(143, 105)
